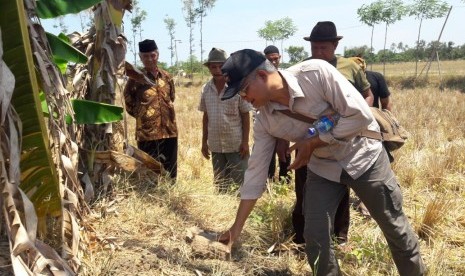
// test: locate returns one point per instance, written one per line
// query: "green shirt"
(352, 71)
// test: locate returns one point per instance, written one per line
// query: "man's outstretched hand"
(229, 237)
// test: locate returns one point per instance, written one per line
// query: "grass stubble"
(141, 227)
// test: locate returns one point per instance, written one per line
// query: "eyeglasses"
(243, 90)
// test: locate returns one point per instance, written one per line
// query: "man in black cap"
(335, 159)
(324, 41)
(149, 96)
(284, 159)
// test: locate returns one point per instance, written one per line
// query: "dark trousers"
(165, 151)
(283, 171)
(380, 192)
(341, 220)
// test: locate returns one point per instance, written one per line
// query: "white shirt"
(316, 88)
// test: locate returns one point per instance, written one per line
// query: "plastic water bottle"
(324, 124)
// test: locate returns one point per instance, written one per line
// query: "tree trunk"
(416, 52)
(371, 45)
(107, 58)
(384, 49)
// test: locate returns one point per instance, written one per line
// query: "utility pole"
(176, 51)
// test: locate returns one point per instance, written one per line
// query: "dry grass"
(143, 229)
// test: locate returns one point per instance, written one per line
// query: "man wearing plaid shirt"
(225, 127)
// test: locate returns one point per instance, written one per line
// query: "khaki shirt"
(316, 88)
(352, 71)
(224, 119)
(152, 106)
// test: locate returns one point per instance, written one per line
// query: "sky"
(233, 24)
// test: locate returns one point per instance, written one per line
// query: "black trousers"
(342, 219)
(165, 151)
(283, 171)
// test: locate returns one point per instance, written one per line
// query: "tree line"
(400, 52)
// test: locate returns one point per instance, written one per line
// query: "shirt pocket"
(230, 108)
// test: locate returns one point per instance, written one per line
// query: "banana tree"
(48, 160)
(97, 81)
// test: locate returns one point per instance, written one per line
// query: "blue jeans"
(228, 168)
(379, 191)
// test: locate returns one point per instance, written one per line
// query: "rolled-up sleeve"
(257, 170)
(347, 101)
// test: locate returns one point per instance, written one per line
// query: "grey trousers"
(379, 191)
(228, 168)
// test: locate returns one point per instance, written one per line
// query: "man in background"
(149, 97)
(378, 85)
(225, 127)
(324, 41)
(284, 159)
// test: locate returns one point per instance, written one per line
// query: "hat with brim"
(323, 31)
(237, 67)
(216, 55)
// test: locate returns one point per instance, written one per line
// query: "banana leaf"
(63, 50)
(55, 8)
(19, 57)
(90, 112)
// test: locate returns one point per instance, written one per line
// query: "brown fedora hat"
(323, 31)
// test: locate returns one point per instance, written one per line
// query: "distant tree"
(426, 9)
(371, 15)
(403, 52)
(201, 11)
(361, 51)
(296, 54)
(391, 12)
(86, 20)
(190, 15)
(280, 29)
(60, 24)
(137, 17)
(170, 24)
(193, 65)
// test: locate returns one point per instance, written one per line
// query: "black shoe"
(298, 240)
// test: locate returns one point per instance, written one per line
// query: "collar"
(150, 74)
(212, 85)
(295, 91)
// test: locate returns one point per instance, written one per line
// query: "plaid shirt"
(224, 119)
(151, 105)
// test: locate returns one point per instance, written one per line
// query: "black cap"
(238, 66)
(147, 46)
(271, 49)
(323, 31)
